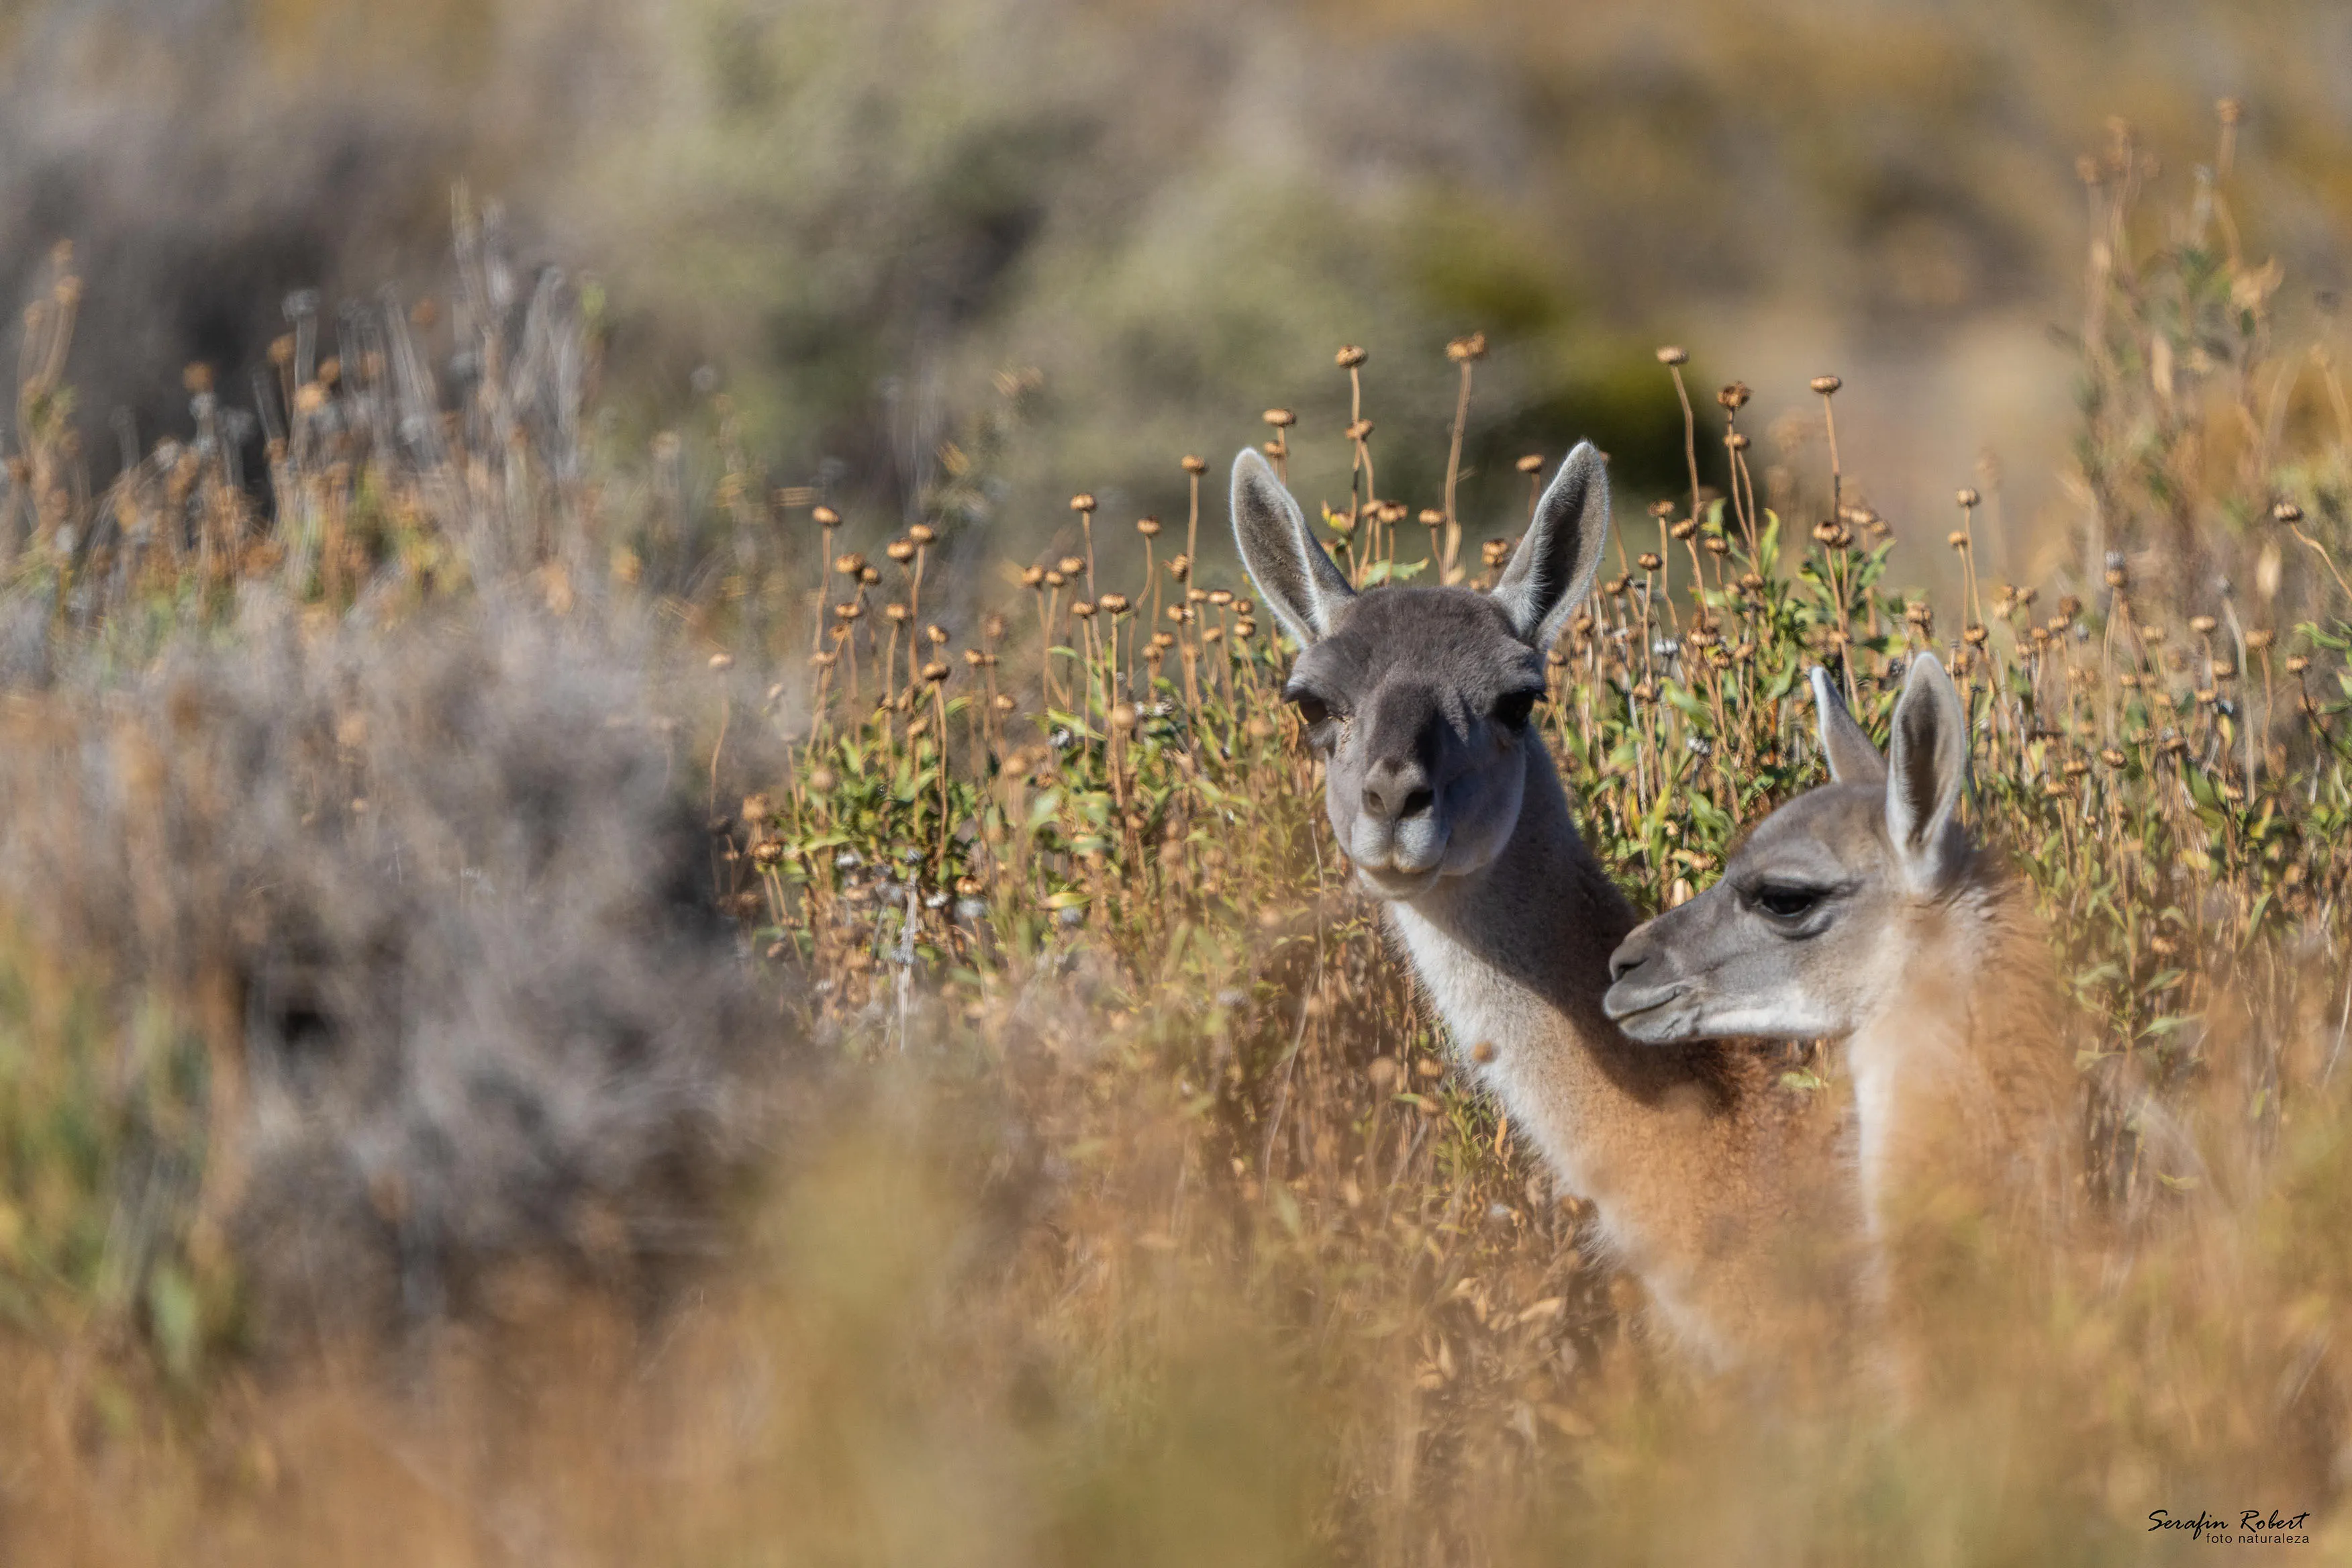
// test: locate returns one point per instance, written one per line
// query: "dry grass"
(1124, 1209)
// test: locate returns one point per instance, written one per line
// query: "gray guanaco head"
(1810, 933)
(1419, 699)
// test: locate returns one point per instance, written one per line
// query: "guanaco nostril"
(1620, 965)
(1373, 802)
(1417, 802)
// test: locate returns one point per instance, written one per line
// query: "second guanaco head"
(1814, 930)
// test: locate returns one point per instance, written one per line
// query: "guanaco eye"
(1513, 709)
(1312, 710)
(1784, 903)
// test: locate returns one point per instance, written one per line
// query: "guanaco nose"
(1397, 791)
(1631, 955)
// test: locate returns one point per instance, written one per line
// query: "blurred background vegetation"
(853, 214)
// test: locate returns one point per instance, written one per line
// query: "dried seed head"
(1737, 440)
(2287, 512)
(1735, 396)
(1071, 565)
(281, 350)
(2260, 638)
(1180, 568)
(1671, 354)
(1462, 351)
(1147, 526)
(1966, 496)
(824, 517)
(1055, 580)
(1114, 603)
(2202, 624)
(1083, 504)
(1123, 716)
(822, 780)
(1349, 356)
(2297, 663)
(868, 574)
(849, 565)
(935, 672)
(1431, 517)
(1684, 527)
(1243, 629)
(896, 614)
(1083, 610)
(900, 549)
(1280, 418)
(1531, 464)
(1220, 596)
(1825, 384)
(1194, 465)
(1003, 703)
(1957, 539)
(1662, 508)
(1648, 561)
(2229, 111)
(1919, 614)
(1359, 429)
(1975, 637)
(1032, 576)
(1717, 545)
(936, 633)
(2151, 635)
(923, 533)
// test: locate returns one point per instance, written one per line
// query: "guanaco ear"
(1552, 569)
(1927, 763)
(1301, 587)
(1852, 758)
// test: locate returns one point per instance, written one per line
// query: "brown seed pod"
(1032, 576)
(1462, 351)
(1071, 565)
(1684, 527)
(1648, 561)
(1280, 418)
(1147, 526)
(1193, 465)
(923, 533)
(1083, 502)
(1825, 384)
(900, 549)
(1349, 356)
(1671, 354)
(1735, 396)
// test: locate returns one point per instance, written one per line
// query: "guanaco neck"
(1964, 1071)
(1675, 1146)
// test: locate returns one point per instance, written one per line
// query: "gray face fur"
(1418, 699)
(1806, 935)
